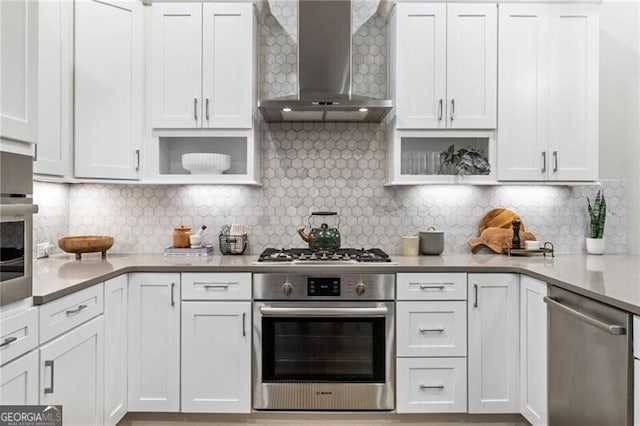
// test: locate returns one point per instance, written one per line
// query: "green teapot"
(323, 238)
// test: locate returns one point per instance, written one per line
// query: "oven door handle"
(271, 311)
(18, 209)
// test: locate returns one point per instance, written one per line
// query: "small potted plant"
(597, 217)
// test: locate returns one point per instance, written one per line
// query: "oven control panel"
(323, 286)
(319, 287)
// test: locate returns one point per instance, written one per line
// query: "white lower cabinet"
(494, 344)
(154, 342)
(533, 351)
(216, 357)
(115, 349)
(71, 374)
(431, 385)
(431, 326)
(19, 381)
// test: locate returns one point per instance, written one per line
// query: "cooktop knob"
(287, 288)
(360, 288)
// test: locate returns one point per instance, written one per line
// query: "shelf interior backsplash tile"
(302, 173)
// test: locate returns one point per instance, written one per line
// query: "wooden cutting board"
(498, 218)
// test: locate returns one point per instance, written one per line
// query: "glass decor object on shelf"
(464, 161)
(420, 163)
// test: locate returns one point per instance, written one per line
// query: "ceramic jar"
(180, 237)
(431, 241)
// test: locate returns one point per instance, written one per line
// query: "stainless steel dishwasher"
(590, 362)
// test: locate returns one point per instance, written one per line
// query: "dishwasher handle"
(609, 328)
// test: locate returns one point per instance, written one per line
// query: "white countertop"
(613, 279)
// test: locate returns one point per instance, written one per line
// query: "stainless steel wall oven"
(16, 226)
(323, 342)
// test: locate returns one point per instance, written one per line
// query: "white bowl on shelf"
(206, 163)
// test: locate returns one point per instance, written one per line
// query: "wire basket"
(233, 244)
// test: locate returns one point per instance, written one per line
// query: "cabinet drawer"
(436, 286)
(210, 286)
(432, 328)
(18, 334)
(432, 385)
(63, 314)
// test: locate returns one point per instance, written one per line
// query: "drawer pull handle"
(8, 341)
(208, 286)
(76, 310)
(432, 330)
(423, 387)
(49, 364)
(432, 286)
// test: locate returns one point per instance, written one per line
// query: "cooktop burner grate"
(309, 255)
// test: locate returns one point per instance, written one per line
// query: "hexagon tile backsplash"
(320, 166)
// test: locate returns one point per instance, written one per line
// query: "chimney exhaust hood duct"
(324, 70)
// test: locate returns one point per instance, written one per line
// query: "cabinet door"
(533, 351)
(636, 391)
(573, 91)
(19, 381)
(108, 88)
(523, 99)
(472, 65)
(421, 66)
(115, 349)
(55, 88)
(19, 70)
(227, 65)
(216, 357)
(71, 374)
(493, 343)
(176, 64)
(154, 342)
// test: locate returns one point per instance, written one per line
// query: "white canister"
(410, 245)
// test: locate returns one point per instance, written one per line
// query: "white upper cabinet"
(176, 56)
(108, 88)
(19, 70)
(548, 92)
(523, 91)
(573, 91)
(55, 88)
(421, 65)
(227, 64)
(445, 62)
(203, 65)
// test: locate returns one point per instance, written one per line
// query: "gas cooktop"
(309, 256)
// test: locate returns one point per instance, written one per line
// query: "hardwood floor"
(320, 419)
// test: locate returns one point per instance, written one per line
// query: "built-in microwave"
(16, 226)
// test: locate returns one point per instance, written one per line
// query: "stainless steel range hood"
(324, 70)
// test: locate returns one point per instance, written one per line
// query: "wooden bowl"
(79, 244)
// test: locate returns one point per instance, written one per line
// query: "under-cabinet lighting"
(286, 109)
(363, 109)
